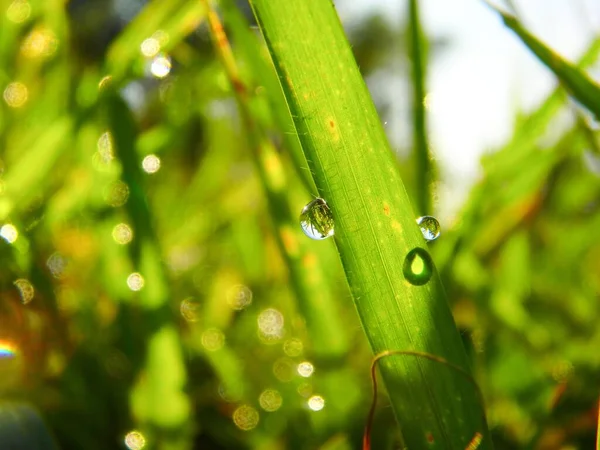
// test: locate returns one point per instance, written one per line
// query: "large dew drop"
(316, 220)
(417, 267)
(430, 227)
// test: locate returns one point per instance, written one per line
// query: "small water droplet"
(316, 220)
(417, 267)
(430, 227)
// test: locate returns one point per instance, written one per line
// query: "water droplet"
(134, 440)
(25, 289)
(430, 227)
(316, 403)
(316, 220)
(239, 297)
(305, 369)
(270, 400)
(245, 417)
(417, 267)
(135, 281)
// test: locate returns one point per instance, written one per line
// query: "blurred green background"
(150, 288)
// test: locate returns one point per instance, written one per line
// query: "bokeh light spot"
(151, 164)
(122, 234)
(270, 400)
(18, 11)
(305, 369)
(293, 347)
(135, 281)
(305, 390)
(284, 369)
(190, 310)
(105, 82)
(57, 264)
(316, 403)
(105, 147)
(25, 289)
(16, 94)
(9, 233)
(150, 47)
(7, 349)
(239, 297)
(245, 417)
(270, 325)
(41, 42)
(213, 339)
(160, 66)
(117, 194)
(134, 440)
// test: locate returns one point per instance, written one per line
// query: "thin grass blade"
(577, 82)
(380, 245)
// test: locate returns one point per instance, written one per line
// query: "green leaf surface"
(577, 82)
(356, 173)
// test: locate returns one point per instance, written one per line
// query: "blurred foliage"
(146, 296)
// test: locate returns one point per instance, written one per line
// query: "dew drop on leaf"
(430, 227)
(417, 267)
(316, 220)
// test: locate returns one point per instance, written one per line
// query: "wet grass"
(181, 305)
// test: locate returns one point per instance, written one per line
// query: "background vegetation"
(147, 285)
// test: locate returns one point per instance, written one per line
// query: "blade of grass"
(355, 171)
(417, 51)
(249, 47)
(314, 296)
(577, 82)
(158, 400)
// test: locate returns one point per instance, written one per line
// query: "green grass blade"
(313, 293)
(577, 82)
(355, 171)
(418, 57)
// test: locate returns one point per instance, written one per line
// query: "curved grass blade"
(417, 47)
(314, 295)
(380, 245)
(577, 82)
